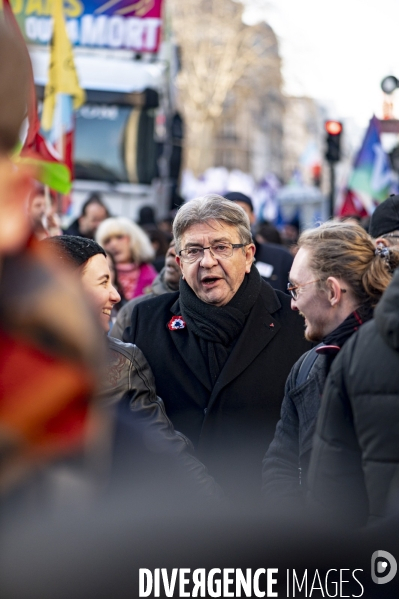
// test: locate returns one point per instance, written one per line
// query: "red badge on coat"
(176, 322)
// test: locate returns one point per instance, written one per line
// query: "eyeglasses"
(390, 236)
(217, 250)
(292, 289)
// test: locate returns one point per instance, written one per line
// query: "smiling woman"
(128, 381)
(90, 260)
(96, 280)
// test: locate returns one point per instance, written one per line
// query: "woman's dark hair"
(73, 250)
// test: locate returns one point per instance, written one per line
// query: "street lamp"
(389, 84)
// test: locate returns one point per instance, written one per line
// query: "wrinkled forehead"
(212, 230)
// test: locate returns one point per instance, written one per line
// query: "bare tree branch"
(219, 53)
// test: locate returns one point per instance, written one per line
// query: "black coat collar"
(259, 330)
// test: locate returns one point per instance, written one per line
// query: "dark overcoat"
(231, 424)
(354, 468)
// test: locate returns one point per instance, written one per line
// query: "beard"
(314, 336)
(313, 332)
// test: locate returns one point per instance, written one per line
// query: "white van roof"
(101, 70)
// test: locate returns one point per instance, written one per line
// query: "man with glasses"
(222, 348)
(337, 278)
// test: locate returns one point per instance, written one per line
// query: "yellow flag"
(62, 76)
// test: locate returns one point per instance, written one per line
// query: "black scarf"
(345, 330)
(349, 326)
(217, 328)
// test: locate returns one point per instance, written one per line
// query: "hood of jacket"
(386, 314)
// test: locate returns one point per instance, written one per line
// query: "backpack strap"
(306, 365)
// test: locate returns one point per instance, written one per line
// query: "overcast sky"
(336, 51)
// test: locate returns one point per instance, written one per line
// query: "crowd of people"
(238, 377)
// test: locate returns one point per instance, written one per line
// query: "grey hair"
(207, 208)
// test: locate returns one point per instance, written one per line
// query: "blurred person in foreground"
(132, 252)
(337, 278)
(222, 348)
(93, 212)
(354, 468)
(128, 383)
(272, 261)
(166, 282)
(48, 364)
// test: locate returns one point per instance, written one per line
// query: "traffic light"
(333, 140)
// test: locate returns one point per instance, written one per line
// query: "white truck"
(124, 147)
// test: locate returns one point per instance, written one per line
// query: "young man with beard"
(336, 280)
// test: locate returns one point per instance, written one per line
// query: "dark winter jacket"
(285, 467)
(123, 319)
(129, 380)
(274, 264)
(231, 424)
(354, 469)
(286, 462)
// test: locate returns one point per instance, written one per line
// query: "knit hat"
(385, 217)
(73, 250)
(237, 196)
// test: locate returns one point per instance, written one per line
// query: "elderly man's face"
(215, 280)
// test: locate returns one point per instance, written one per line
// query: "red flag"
(352, 206)
(36, 148)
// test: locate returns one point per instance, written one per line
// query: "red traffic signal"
(333, 127)
(333, 141)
